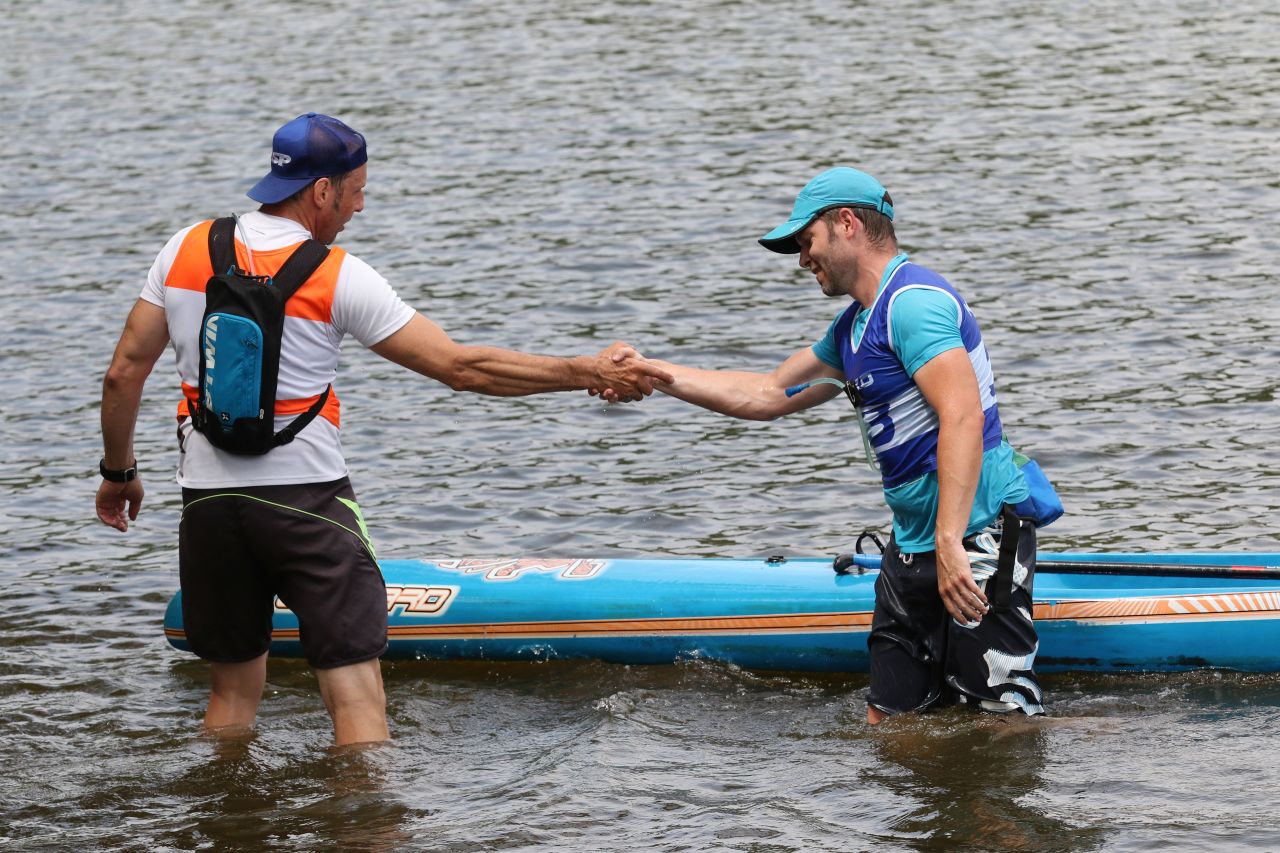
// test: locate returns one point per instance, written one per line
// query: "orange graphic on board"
(512, 569)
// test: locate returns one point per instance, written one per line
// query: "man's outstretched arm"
(753, 396)
(424, 347)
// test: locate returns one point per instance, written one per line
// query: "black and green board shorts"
(307, 544)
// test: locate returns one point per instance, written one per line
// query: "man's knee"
(245, 678)
(353, 685)
(356, 702)
(235, 691)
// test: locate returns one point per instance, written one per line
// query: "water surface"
(1098, 180)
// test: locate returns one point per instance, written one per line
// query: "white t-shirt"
(363, 305)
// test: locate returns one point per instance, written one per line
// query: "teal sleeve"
(925, 322)
(826, 350)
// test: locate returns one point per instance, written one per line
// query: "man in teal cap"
(953, 608)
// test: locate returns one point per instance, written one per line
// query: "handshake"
(623, 375)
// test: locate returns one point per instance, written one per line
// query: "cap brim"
(783, 238)
(271, 189)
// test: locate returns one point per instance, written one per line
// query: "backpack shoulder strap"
(287, 434)
(222, 244)
(304, 261)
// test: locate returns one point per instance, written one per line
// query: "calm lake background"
(1100, 180)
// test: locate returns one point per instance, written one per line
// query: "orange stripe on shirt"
(314, 301)
(331, 411)
(191, 270)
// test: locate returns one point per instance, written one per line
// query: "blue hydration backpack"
(240, 347)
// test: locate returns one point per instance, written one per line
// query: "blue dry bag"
(1043, 506)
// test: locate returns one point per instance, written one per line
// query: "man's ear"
(849, 223)
(320, 191)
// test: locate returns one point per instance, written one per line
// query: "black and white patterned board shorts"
(921, 657)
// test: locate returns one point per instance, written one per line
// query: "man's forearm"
(508, 373)
(747, 395)
(735, 393)
(144, 338)
(121, 399)
(423, 347)
(959, 467)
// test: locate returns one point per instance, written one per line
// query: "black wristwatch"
(115, 475)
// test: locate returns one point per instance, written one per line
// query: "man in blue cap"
(285, 522)
(910, 357)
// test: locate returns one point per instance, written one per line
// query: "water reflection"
(245, 797)
(281, 785)
(974, 780)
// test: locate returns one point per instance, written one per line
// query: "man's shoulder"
(169, 253)
(917, 289)
(923, 306)
(920, 295)
(913, 273)
(355, 269)
(181, 234)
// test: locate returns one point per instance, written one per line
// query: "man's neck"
(287, 211)
(870, 272)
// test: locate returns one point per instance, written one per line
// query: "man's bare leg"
(356, 702)
(234, 697)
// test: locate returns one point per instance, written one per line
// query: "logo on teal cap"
(838, 187)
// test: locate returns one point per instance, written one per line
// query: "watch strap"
(117, 475)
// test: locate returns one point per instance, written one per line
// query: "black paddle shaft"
(1101, 567)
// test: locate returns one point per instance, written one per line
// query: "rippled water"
(1099, 180)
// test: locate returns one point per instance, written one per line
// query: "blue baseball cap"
(309, 147)
(838, 187)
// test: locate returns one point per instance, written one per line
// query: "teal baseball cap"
(838, 187)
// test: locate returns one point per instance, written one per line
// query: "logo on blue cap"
(309, 147)
(838, 187)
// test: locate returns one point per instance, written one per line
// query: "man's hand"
(625, 375)
(112, 500)
(960, 595)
